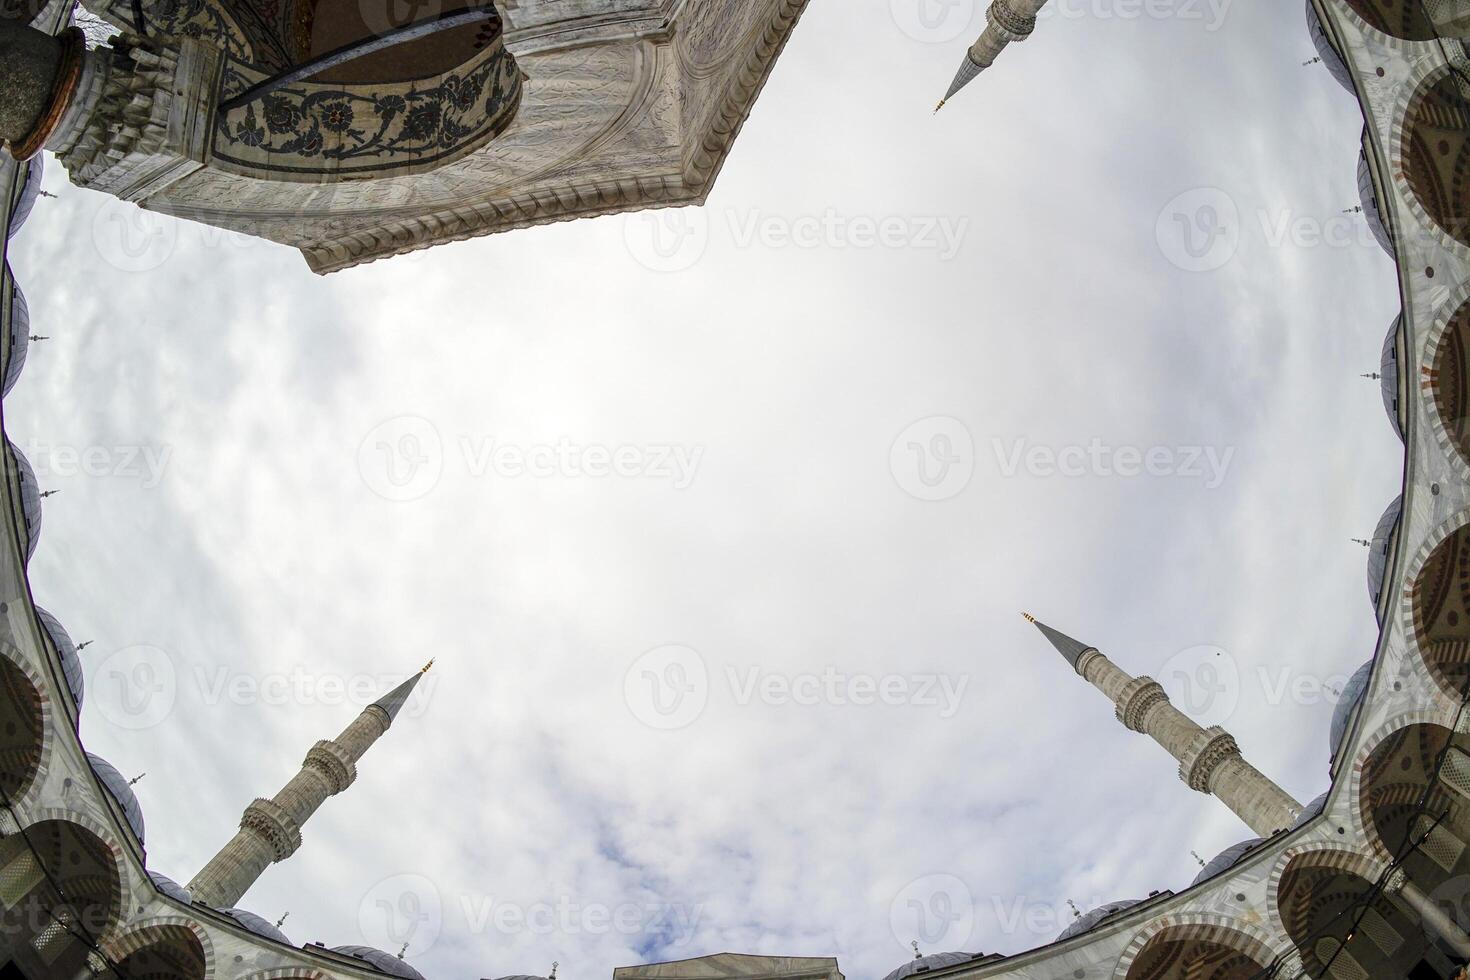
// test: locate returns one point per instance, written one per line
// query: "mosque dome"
(1310, 811)
(20, 335)
(1226, 859)
(1388, 371)
(30, 500)
(257, 925)
(1093, 918)
(934, 961)
(380, 961)
(30, 190)
(171, 888)
(1326, 51)
(1378, 550)
(1352, 694)
(118, 786)
(1369, 201)
(71, 662)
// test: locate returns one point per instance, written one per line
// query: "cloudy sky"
(723, 548)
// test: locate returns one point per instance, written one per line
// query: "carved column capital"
(1290, 967)
(1205, 754)
(331, 760)
(142, 116)
(274, 825)
(1136, 700)
(1395, 882)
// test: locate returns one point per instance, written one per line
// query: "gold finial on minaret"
(940, 105)
(426, 667)
(1029, 618)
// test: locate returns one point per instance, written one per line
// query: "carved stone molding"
(1019, 26)
(1206, 753)
(329, 759)
(1141, 696)
(273, 825)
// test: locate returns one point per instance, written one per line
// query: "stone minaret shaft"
(270, 830)
(1209, 760)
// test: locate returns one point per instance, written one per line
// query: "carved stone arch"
(1141, 961)
(1436, 606)
(1403, 20)
(26, 722)
(1359, 820)
(1317, 854)
(190, 944)
(289, 973)
(1428, 153)
(1443, 370)
(121, 866)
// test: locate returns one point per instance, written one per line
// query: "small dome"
(1093, 918)
(1310, 812)
(1371, 211)
(934, 961)
(171, 888)
(1352, 694)
(380, 961)
(1378, 549)
(118, 786)
(1226, 859)
(71, 662)
(30, 500)
(1388, 370)
(1329, 54)
(20, 335)
(30, 189)
(257, 925)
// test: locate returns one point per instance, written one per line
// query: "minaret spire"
(1209, 760)
(1008, 20)
(270, 830)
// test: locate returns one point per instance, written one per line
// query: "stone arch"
(1357, 818)
(25, 720)
(1438, 606)
(122, 870)
(1432, 151)
(63, 890)
(1198, 947)
(166, 948)
(1444, 378)
(1317, 896)
(1403, 19)
(289, 973)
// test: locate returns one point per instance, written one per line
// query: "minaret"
(1209, 760)
(1008, 20)
(270, 830)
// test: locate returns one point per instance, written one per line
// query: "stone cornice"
(1205, 754)
(274, 825)
(1135, 702)
(331, 760)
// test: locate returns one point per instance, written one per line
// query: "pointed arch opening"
(59, 893)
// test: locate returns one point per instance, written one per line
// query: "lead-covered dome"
(30, 189)
(1369, 201)
(1326, 51)
(1227, 859)
(1388, 371)
(171, 888)
(380, 961)
(1091, 919)
(1352, 694)
(117, 785)
(20, 334)
(933, 961)
(257, 925)
(30, 499)
(1378, 550)
(71, 662)
(1310, 811)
